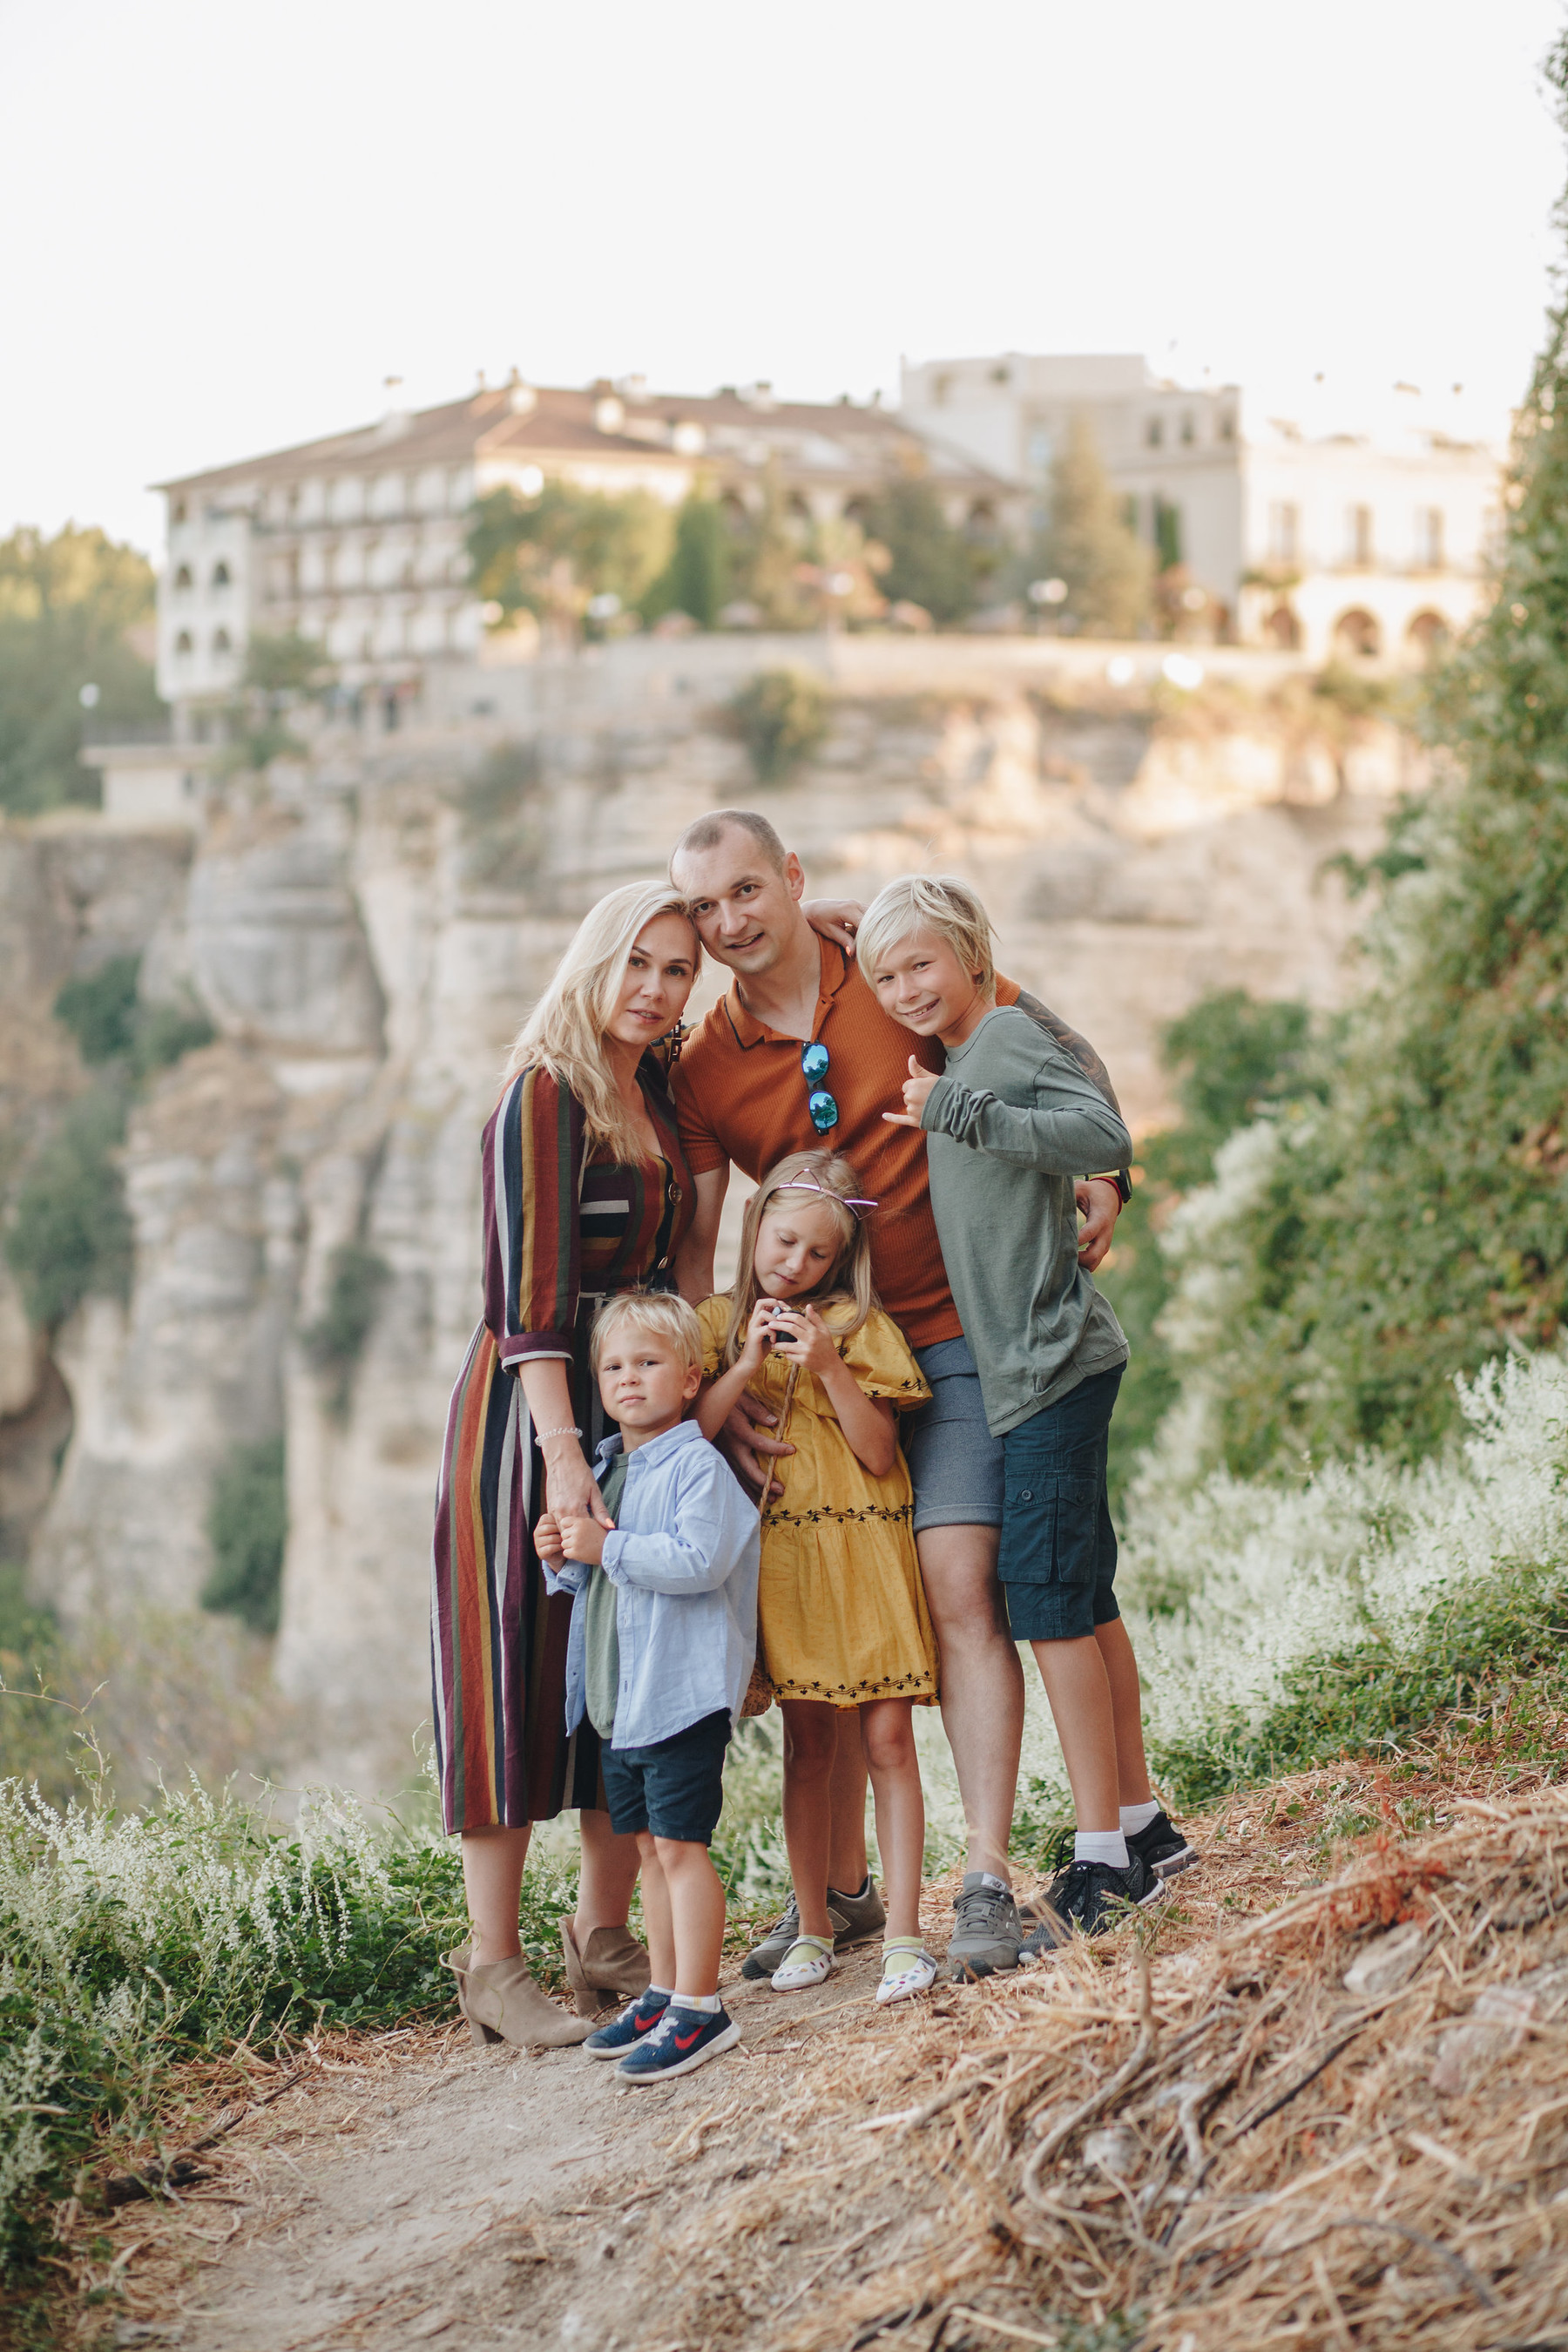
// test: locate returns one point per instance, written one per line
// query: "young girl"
(841, 1612)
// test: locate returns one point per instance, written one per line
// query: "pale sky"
(224, 227)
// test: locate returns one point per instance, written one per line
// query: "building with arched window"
(1345, 527)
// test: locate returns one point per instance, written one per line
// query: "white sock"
(1137, 1817)
(708, 2002)
(1100, 1845)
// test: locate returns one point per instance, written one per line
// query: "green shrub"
(357, 1278)
(164, 1033)
(70, 1232)
(248, 1526)
(781, 718)
(98, 1008)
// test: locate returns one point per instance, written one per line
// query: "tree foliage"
(697, 579)
(1417, 1223)
(67, 605)
(1087, 543)
(71, 1231)
(247, 1527)
(550, 555)
(932, 563)
(781, 717)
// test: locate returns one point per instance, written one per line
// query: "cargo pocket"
(1049, 1528)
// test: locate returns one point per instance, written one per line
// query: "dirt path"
(439, 2191)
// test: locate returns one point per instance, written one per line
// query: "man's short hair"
(656, 1311)
(937, 903)
(707, 831)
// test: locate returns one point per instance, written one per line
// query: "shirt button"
(662, 1263)
(1027, 1495)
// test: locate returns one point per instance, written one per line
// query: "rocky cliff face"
(365, 933)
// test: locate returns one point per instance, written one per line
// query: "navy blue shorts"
(676, 1789)
(956, 1464)
(1058, 1562)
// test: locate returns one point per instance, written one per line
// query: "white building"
(1364, 541)
(359, 540)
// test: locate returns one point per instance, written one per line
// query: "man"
(800, 1051)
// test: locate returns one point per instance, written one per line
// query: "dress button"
(675, 1193)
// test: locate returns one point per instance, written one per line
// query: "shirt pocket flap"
(1052, 1528)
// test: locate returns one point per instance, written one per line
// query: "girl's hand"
(917, 1086)
(568, 1483)
(802, 1337)
(582, 1537)
(759, 1331)
(547, 1541)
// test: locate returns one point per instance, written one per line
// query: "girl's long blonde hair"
(564, 1033)
(850, 1279)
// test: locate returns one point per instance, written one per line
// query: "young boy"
(664, 1629)
(1009, 1124)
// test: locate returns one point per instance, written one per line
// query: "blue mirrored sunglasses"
(814, 1066)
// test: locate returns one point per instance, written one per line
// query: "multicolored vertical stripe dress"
(562, 1229)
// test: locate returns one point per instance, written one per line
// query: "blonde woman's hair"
(849, 1281)
(659, 1311)
(938, 903)
(564, 1033)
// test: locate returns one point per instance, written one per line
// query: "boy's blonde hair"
(656, 1311)
(829, 1177)
(938, 903)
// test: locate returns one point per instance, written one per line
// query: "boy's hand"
(547, 1541)
(917, 1086)
(759, 1331)
(802, 1337)
(582, 1538)
(1100, 1203)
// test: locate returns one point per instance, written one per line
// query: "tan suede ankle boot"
(502, 2003)
(611, 1969)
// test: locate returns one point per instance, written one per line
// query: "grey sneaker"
(987, 1931)
(862, 1915)
(764, 1957)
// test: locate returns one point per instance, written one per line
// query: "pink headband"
(806, 1182)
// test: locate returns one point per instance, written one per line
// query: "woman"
(584, 1192)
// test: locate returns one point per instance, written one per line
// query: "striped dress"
(558, 1235)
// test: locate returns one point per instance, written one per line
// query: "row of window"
(1185, 433)
(353, 496)
(1357, 545)
(221, 576)
(185, 645)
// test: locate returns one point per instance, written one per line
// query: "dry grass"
(1208, 2137)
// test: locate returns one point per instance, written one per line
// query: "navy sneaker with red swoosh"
(683, 2038)
(633, 2026)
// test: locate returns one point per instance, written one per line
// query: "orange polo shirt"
(740, 1095)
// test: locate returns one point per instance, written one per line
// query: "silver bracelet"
(543, 1434)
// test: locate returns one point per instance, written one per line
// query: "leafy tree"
(1087, 543)
(781, 718)
(357, 1278)
(931, 563)
(281, 671)
(1418, 1224)
(70, 1232)
(551, 554)
(98, 1008)
(696, 578)
(68, 605)
(247, 1527)
(769, 551)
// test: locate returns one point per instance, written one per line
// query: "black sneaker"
(1091, 1898)
(986, 1931)
(1162, 1848)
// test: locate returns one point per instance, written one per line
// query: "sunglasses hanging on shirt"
(814, 1064)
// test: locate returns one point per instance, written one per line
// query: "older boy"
(664, 1629)
(1010, 1125)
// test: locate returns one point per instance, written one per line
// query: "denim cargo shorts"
(1058, 1563)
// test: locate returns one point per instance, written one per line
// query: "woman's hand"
(569, 1488)
(837, 920)
(917, 1086)
(802, 1337)
(748, 1445)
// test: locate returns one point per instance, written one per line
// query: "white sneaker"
(808, 1959)
(904, 1973)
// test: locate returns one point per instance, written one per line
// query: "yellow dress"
(841, 1611)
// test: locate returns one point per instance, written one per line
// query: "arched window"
(857, 510)
(220, 575)
(183, 643)
(1429, 635)
(796, 507)
(182, 576)
(982, 516)
(220, 642)
(179, 513)
(1357, 637)
(1283, 629)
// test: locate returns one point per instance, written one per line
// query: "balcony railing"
(97, 732)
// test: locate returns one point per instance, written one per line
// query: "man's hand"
(917, 1086)
(1100, 1202)
(582, 1538)
(837, 920)
(745, 1439)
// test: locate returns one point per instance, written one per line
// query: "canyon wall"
(365, 930)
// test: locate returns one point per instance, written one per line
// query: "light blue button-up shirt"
(684, 1556)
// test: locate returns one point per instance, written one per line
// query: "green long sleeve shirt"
(1009, 1126)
